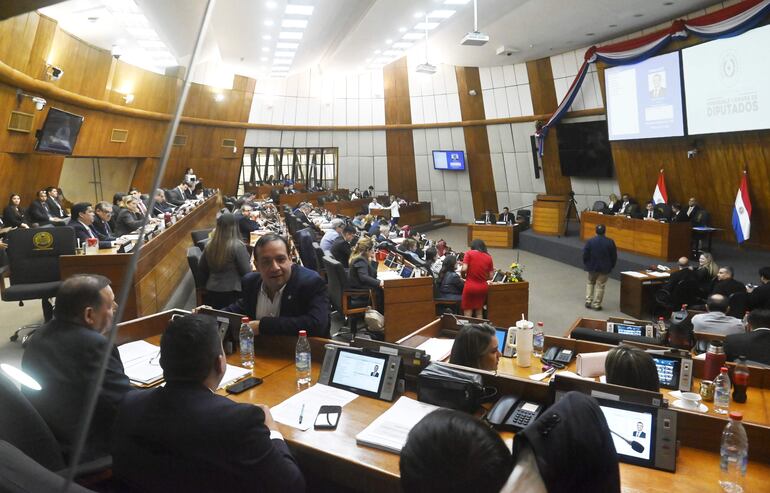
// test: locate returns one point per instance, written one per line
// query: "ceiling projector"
(475, 38)
(426, 68)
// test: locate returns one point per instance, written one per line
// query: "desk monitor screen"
(501, 335)
(499, 276)
(629, 330)
(389, 260)
(449, 160)
(407, 271)
(632, 428)
(368, 373)
(668, 371)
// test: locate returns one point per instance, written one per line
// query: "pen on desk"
(301, 413)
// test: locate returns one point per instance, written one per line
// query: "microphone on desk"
(636, 446)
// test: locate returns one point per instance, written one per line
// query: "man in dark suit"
(488, 217)
(506, 217)
(726, 285)
(302, 212)
(759, 296)
(639, 432)
(82, 222)
(599, 258)
(64, 357)
(341, 247)
(184, 437)
(176, 196)
(38, 210)
(625, 202)
(685, 273)
(54, 207)
(651, 213)
(103, 213)
(188, 191)
(245, 222)
(161, 206)
(692, 208)
(677, 214)
(282, 298)
(755, 344)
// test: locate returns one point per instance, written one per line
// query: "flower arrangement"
(516, 273)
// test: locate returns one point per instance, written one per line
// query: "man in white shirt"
(331, 235)
(374, 204)
(715, 321)
(395, 215)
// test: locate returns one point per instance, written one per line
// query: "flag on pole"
(742, 211)
(660, 195)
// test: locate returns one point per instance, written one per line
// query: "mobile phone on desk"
(328, 417)
(243, 385)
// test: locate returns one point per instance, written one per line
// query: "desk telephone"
(513, 414)
(558, 357)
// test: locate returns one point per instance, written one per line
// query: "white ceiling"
(343, 35)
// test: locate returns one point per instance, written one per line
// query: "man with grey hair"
(161, 206)
(103, 214)
(332, 234)
(716, 321)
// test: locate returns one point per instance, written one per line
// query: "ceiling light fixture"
(284, 54)
(292, 9)
(426, 68)
(286, 46)
(456, 2)
(294, 23)
(289, 35)
(412, 36)
(475, 38)
(219, 97)
(263, 59)
(281, 61)
(426, 25)
(128, 98)
(401, 45)
(267, 37)
(269, 22)
(441, 14)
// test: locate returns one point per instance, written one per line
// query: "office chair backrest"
(20, 473)
(702, 218)
(34, 253)
(193, 260)
(738, 302)
(22, 426)
(303, 240)
(664, 210)
(599, 206)
(335, 278)
(200, 235)
(319, 255)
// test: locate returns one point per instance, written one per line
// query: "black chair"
(633, 210)
(350, 303)
(523, 219)
(444, 305)
(33, 257)
(319, 255)
(664, 210)
(738, 303)
(193, 260)
(303, 240)
(599, 206)
(20, 473)
(200, 237)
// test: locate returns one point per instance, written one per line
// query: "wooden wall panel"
(18, 36)
(479, 161)
(41, 46)
(402, 174)
(152, 92)
(86, 67)
(544, 101)
(25, 174)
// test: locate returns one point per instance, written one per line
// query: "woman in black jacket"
(129, 219)
(450, 284)
(362, 272)
(13, 215)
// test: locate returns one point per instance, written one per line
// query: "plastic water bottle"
(538, 338)
(246, 339)
(302, 360)
(722, 392)
(734, 455)
(740, 380)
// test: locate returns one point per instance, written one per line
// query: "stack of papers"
(299, 411)
(659, 274)
(141, 361)
(233, 373)
(437, 349)
(388, 275)
(389, 431)
(633, 273)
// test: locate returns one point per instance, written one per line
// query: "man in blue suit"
(282, 298)
(599, 258)
(82, 222)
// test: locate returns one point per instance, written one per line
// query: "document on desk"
(633, 273)
(438, 349)
(659, 274)
(233, 373)
(299, 411)
(141, 362)
(389, 431)
(388, 275)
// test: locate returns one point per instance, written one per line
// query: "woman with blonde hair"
(224, 262)
(706, 273)
(362, 271)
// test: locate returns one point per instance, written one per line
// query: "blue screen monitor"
(449, 160)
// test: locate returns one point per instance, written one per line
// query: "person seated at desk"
(369, 192)
(613, 205)
(625, 203)
(129, 219)
(101, 224)
(755, 344)
(64, 356)
(706, 273)
(358, 220)
(13, 215)
(450, 284)
(684, 274)
(362, 271)
(677, 214)
(133, 191)
(506, 217)
(332, 235)
(341, 248)
(374, 204)
(55, 208)
(478, 269)
(631, 367)
(184, 437)
(759, 296)
(431, 262)
(177, 196)
(408, 249)
(476, 346)
(225, 260)
(282, 298)
(726, 285)
(302, 212)
(488, 217)
(188, 191)
(715, 321)
(82, 222)
(39, 213)
(161, 207)
(246, 221)
(651, 213)
(374, 226)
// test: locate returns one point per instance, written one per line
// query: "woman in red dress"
(478, 268)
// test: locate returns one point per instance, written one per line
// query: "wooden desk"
(663, 241)
(550, 214)
(408, 306)
(495, 235)
(162, 262)
(637, 294)
(347, 208)
(506, 302)
(411, 214)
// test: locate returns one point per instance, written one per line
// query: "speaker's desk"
(637, 292)
(550, 214)
(162, 262)
(412, 214)
(662, 241)
(335, 456)
(495, 235)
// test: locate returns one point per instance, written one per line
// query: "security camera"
(117, 51)
(55, 73)
(39, 103)
(692, 153)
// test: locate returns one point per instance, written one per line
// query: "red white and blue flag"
(660, 195)
(742, 212)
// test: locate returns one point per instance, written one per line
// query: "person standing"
(395, 215)
(599, 258)
(478, 269)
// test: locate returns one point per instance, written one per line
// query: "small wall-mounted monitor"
(59, 132)
(449, 160)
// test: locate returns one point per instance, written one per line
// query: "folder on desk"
(389, 431)
(141, 363)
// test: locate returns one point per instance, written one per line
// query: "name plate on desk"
(480, 222)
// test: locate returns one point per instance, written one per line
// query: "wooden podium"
(550, 214)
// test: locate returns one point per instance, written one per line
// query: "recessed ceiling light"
(414, 36)
(281, 61)
(391, 52)
(419, 15)
(638, 15)
(265, 48)
(299, 9)
(263, 59)
(402, 29)
(388, 41)
(267, 37)
(401, 45)
(284, 54)
(294, 23)
(271, 5)
(289, 35)
(286, 46)
(269, 22)
(441, 14)
(426, 25)
(456, 2)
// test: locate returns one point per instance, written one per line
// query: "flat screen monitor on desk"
(368, 373)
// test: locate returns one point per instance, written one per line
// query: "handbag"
(456, 389)
(375, 321)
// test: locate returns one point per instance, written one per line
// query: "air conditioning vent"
(20, 121)
(180, 140)
(119, 135)
(228, 142)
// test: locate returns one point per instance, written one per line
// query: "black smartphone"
(243, 385)
(328, 417)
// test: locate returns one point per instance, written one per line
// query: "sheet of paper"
(390, 429)
(388, 275)
(233, 373)
(141, 362)
(438, 349)
(131, 351)
(567, 373)
(633, 273)
(299, 411)
(659, 274)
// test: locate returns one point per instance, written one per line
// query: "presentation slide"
(629, 428)
(358, 371)
(644, 100)
(668, 371)
(727, 84)
(449, 160)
